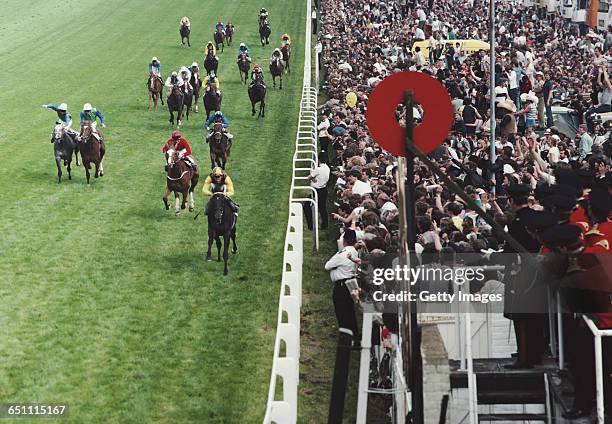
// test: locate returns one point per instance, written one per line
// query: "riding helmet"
(217, 171)
(176, 135)
(63, 107)
(87, 106)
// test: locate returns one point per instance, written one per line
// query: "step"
(500, 380)
(512, 417)
(511, 397)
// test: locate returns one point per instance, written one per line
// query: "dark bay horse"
(264, 33)
(187, 99)
(185, 31)
(257, 94)
(212, 101)
(244, 66)
(92, 150)
(181, 179)
(220, 146)
(229, 34)
(155, 87)
(175, 104)
(210, 63)
(219, 37)
(277, 69)
(286, 51)
(221, 223)
(64, 145)
(196, 83)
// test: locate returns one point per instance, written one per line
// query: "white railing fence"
(599, 378)
(286, 362)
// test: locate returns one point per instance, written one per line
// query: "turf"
(107, 303)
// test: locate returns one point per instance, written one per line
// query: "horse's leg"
(262, 108)
(235, 247)
(59, 169)
(177, 209)
(97, 169)
(171, 120)
(274, 81)
(218, 240)
(68, 167)
(184, 202)
(149, 107)
(253, 108)
(226, 242)
(224, 160)
(165, 198)
(191, 201)
(161, 95)
(211, 236)
(101, 168)
(213, 159)
(281, 81)
(86, 165)
(188, 43)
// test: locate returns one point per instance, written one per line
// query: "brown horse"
(221, 223)
(175, 104)
(277, 69)
(185, 31)
(219, 37)
(264, 33)
(211, 63)
(286, 51)
(181, 179)
(212, 101)
(92, 149)
(244, 66)
(155, 90)
(229, 33)
(220, 146)
(257, 94)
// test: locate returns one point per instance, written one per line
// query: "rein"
(176, 179)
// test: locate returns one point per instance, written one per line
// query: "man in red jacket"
(179, 144)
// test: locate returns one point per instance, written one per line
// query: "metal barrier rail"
(284, 409)
(599, 388)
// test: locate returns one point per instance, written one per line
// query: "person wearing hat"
(62, 113)
(522, 288)
(343, 267)
(211, 49)
(218, 182)
(155, 68)
(243, 48)
(177, 143)
(195, 80)
(210, 80)
(276, 54)
(530, 111)
(185, 22)
(92, 114)
(263, 16)
(172, 80)
(220, 27)
(508, 120)
(285, 41)
(185, 77)
(599, 238)
(256, 73)
(217, 117)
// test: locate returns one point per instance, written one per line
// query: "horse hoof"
(177, 214)
(225, 272)
(234, 251)
(190, 209)
(208, 258)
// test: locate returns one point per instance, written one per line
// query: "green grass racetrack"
(107, 304)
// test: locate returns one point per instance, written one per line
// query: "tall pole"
(492, 77)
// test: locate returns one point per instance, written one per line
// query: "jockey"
(155, 67)
(185, 22)
(62, 113)
(244, 49)
(257, 73)
(285, 41)
(171, 81)
(195, 74)
(179, 144)
(91, 114)
(184, 79)
(263, 15)
(219, 182)
(211, 46)
(217, 117)
(276, 54)
(220, 26)
(212, 79)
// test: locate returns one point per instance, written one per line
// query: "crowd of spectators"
(542, 61)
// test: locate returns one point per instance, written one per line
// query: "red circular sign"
(429, 93)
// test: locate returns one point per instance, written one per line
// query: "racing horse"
(219, 145)
(221, 223)
(229, 34)
(243, 67)
(212, 101)
(277, 69)
(155, 87)
(180, 180)
(185, 31)
(175, 104)
(196, 83)
(257, 94)
(92, 149)
(219, 37)
(286, 51)
(210, 63)
(64, 145)
(264, 33)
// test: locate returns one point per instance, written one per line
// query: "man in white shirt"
(342, 267)
(359, 187)
(319, 177)
(323, 134)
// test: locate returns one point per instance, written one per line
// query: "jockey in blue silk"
(155, 66)
(218, 116)
(244, 49)
(62, 113)
(220, 26)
